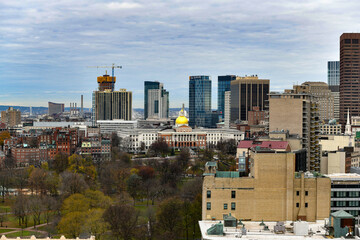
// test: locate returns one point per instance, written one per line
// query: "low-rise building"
(272, 192)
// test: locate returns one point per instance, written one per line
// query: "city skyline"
(47, 46)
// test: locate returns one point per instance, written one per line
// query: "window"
(208, 206)
(306, 204)
(225, 206)
(233, 206)
(233, 194)
(353, 203)
(306, 193)
(297, 193)
(341, 204)
(341, 194)
(208, 194)
(353, 194)
(297, 204)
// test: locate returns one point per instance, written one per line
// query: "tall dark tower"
(349, 75)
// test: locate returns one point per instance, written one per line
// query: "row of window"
(345, 194)
(208, 194)
(233, 206)
(344, 203)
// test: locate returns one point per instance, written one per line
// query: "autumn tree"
(72, 183)
(60, 163)
(4, 135)
(183, 158)
(159, 148)
(169, 218)
(122, 220)
(134, 186)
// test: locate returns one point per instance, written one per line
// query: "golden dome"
(182, 120)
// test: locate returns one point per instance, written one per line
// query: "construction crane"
(112, 68)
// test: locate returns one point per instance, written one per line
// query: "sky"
(47, 46)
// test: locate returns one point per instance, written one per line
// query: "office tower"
(248, 92)
(11, 117)
(156, 101)
(82, 105)
(322, 95)
(223, 86)
(297, 112)
(108, 104)
(55, 108)
(334, 85)
(227, 103)
(349, 75)
(333, 73)
(200, 101)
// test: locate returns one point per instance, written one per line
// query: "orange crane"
(112, 67)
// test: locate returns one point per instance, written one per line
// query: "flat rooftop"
(256, 232)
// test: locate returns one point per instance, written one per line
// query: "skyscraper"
(223, 86)
(156, 100)
(248, 92)
(349, 75)
(200, 101)
(108, 104)
(54, 108)
(11, 117)
(333, 73)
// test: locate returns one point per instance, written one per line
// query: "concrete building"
(335, 92)
(110, 126)
(248, 92)
(11, 117)
(349, 75)
(227, 109)
(55, 108)
(200, 101)
(297, 113)
(335, 142)
(113, 105)
(333, 162)
(272, 192)
(156, 102)
(345, 192)
(322, 95)
(331, 128)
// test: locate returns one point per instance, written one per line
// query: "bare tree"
(36, 207)
(72, 183)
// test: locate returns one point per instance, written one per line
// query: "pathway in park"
(26, 229)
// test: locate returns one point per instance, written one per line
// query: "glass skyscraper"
(223, 86)
(199, 101)
(333, 73)
(156, 100)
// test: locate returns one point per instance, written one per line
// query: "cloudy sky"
(46, 46)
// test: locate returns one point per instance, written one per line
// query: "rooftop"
(264, 144)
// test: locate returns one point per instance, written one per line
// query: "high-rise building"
(156, 101)
(227, 104)
(322, 95)
(223, 86)
(11, 117)
(55, 108)
(335, 92)
(297, 112)
(334, 73)
(109, 104)
(349, 75)
(200, 101)
(248, 92)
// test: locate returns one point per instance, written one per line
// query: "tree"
(115, 140)
(36, 207)
(146, 172)
(122, 220)
(50, 206)
(84, 166)
(6, 180)
(33, 142)
(20, 209)
(72, 183)
(4, 135)
(169, 218)
(159, 148)
(60, 163)
(228, 146)
(95, 224)
(72, 223)
(134, 186)
(183, 158)
(3, 216)
(37, 181)
(170, 173)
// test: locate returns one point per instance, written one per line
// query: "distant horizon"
(49, 45)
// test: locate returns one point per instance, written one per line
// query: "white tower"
(348, 125)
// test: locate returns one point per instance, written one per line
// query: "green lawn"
(5, 230)
(23, 233)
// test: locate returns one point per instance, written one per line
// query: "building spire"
(348, 125)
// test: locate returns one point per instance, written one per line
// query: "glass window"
(208, 206)
(297, 204)
(297, 193)
(233, 194)
(225, 206)
(306, 204)
(306, 193)
(208, 194)
(353, 194)
(233, 206)
(341, 194)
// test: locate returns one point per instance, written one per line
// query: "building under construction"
(109, 104)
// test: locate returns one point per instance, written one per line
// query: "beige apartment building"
(272, 192)
(323, 96)
(11, 117)
(297, 113)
